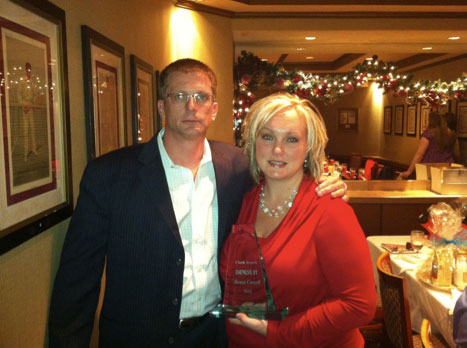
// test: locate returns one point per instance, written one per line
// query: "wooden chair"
(393, 291)
(429, 340)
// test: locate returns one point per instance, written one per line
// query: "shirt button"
(171, 340)
(179, 262)
(175, 301)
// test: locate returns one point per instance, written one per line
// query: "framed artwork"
(411, 120)
(462, 120)
(347, 119)
(424, 114)
(160, 120)
(35, 157)
(387, 126)
(143, 96)
(104, 92)
(399, 119)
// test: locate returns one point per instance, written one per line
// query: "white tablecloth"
(424, 300)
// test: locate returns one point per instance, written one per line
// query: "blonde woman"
(315, 253)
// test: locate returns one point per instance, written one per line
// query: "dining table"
(426, 301)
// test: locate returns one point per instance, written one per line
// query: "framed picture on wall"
(411, 120)
(160, 120)
(143, 97)
(399, 119)
(424, 113)
(387, 123)
(462, 120)
(104, 81)
(347, 119)
(35, 157)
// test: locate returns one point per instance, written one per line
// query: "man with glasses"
(156, 215)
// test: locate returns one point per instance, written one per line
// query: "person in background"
(438, 144)
(451, 121)
(315, 253)
(155, 215)
(460, 321)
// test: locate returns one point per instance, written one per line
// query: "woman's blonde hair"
(265, 109)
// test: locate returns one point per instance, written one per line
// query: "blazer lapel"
(222, 169)
(153, 176)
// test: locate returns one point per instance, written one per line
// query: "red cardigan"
(318, 265)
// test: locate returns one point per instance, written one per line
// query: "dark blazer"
(124, 219)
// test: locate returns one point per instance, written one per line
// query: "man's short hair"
(185, 65)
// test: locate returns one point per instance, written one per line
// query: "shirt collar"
(167, 161)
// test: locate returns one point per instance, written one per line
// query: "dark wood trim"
(417, 58)
(444, 61)
(282, 58)
(195, 6)
(327, 66)
(361, 14)
(354, 3)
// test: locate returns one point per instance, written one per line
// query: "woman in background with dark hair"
(438, 144)
(451, 121)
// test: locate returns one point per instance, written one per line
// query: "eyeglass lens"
(199, 98)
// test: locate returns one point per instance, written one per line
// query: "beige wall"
(153, 31)
(370, 139)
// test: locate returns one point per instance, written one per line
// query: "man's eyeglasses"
(201, 99)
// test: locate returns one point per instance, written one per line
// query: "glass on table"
(417, 239)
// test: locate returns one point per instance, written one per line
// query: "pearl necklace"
(280, 209)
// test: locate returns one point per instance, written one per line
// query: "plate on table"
(424, 277)
(398, 248)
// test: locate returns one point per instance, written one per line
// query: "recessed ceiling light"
(454, 38)
(427, 48)
(309, 57)
(310, 38)
(369, 58)
(264, 60)
(300, 48)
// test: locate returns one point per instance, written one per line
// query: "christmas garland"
(251, 72)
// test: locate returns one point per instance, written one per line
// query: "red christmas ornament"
(280, 82)
(321, 89)
(393, 84)
(348, 88)
(403, 93)
(246, 79)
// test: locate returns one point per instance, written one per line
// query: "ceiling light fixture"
(454, 38)
(427, 48)
(310, 38)
(309, 57)
(369, 58)
(300, 48)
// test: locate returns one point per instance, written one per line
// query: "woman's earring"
(214, 117)
(305, 163)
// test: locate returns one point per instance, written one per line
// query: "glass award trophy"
(246, 283)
